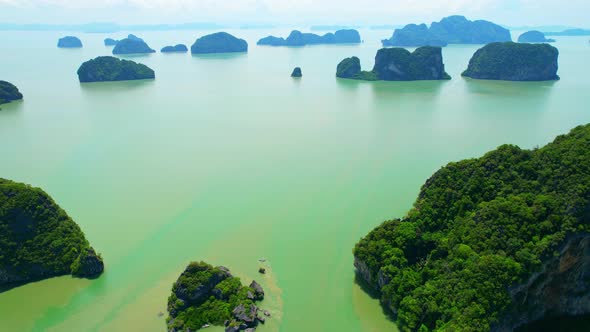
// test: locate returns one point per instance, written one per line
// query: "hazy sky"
(510, 12)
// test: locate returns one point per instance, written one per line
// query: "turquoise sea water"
(226, 158)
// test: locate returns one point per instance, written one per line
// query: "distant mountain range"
(108, 27)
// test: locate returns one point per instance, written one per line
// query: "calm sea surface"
(225, 158)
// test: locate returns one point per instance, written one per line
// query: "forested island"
(514, 62)
(398, 64)
(179, 48)
(69, 42)
(132, 45)
(110, 42)
(220, 42)
(38, 240)
(534, 36)
(108, 68)
(297, 72)
(491, 244)
(113, 42)
(298, 38)
(450, 30)
(205, 295)
(9, 92)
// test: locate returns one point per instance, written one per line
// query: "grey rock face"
(562, 287)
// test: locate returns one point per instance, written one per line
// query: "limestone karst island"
(287, 166)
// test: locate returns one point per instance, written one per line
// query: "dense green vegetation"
(108, 68)
(220, 42)
(348, 68)
(9, 92)
(478, 227)
(514, 62)
(132, 45)
(204, 294)
(398, 64)
(425, 63)
(38, 239)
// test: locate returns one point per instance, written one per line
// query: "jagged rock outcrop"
(88, 264)
(298, 38)
(206, 295)
(559, 288)
(220, 42)
(296, 72)
(132, 46)
(258, 291)
(38, 240)
(450, 30)
(69, 42)
(398, 64)
(349, 68)
(108, 68)
(534, 37)
(9, 92)
(179, 48)
(514, 62)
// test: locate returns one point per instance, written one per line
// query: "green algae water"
(226, 158)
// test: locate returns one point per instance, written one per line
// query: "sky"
(293, 12)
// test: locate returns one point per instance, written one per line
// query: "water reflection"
(507, 88)
(134, 56)
(220, 56)
(374, 294)
(114, 87)
(383, 89)
(12, 106)
(348, 84)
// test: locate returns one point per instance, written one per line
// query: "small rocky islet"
(220, 42)
(132, 46)
(450, 30)
(110, 42)
(511, 61)
(179, 48)
(205, 295)
(398, 64)
(298, 38)
(297, 72)
(108, 68)
(38, 240)
(534, 37)
(9, 92)
(69, 42)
